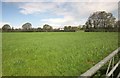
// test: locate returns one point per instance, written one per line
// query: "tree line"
(97, 22)
(27, 27)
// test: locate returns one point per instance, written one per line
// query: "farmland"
(54, 53)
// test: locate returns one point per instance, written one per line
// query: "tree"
(99, 20)
(117, 25)
(26, 26)
(83, 27)
(65, 28)
(69, 28)
(47, 27)
(6, 27)
(72, 28)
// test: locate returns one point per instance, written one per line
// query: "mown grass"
(54, 53)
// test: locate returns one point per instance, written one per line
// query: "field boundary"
(89, 73)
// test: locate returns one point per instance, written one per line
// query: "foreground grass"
(54, 53)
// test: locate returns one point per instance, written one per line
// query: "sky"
(53, 12)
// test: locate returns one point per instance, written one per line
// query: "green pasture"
(54, 53)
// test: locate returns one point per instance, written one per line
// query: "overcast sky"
(52, 12)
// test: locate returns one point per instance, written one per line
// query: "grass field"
(54, 53)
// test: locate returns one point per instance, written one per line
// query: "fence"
(109, 73)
